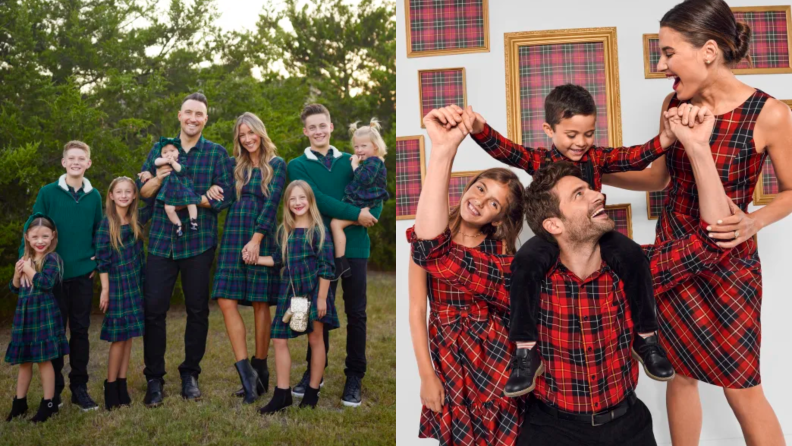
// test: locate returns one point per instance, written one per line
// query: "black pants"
(355, 308)
(161, 273)
(632, 429)
(74, 297)
(536, 257)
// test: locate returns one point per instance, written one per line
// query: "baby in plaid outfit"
(570, 121)
(368, 188)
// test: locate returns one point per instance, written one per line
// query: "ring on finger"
(736, 233)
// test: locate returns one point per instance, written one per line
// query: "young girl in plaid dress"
(37, 334)
(119, 260)
(368, 188)
(305, 253)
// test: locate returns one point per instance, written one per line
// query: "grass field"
(220, 418)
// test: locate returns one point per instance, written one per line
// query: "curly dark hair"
(541, 202)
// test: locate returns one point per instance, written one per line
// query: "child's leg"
(529, 269)
(282, 363)
(193, 211)
(122, 371)
(24, 377)
(114, 359)
(172, 216)
(631, 265)
(339, 238)
(262, 319)
(316, 340)
(47, 374)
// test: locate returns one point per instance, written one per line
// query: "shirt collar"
(86, 187)
(198, 144)
(561, 269)
(310, 155)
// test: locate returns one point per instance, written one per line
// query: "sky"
(243, 14)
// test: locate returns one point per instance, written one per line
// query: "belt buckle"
(612, 417)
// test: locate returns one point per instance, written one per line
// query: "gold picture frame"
(607, 36)
(449, 51)
(422, 163)
(648, 73)
(421, 89)
(627, 207)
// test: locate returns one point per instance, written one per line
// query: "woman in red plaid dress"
(710, 325)
(464, 354)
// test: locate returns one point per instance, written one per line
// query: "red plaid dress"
(709, 325)
(585, 327)
(468, 340)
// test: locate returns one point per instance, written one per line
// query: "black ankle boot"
(526, 367)
(46, 409)
(649, 353)
(281, 399)
(18, 408)
(260, 366)
(250, 380)
(123, 392)
(111, 395)
(310, 399)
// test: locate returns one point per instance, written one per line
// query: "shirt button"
(585, 318)
(593, 376)
(596, 404)
(589, 349)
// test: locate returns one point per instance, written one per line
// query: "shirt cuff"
(483, 135)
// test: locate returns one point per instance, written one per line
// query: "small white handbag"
(297, 313)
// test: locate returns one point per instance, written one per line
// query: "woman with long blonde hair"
(306, 257)
(249, 233)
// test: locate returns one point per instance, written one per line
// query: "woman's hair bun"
(742, 41)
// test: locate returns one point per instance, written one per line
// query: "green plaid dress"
(124, 317)
(304, 265)
(37, 333)
(250, 213)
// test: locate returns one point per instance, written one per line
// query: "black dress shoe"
(299, 390)
(351, 395)
(526, 367)
(649, 353)
(190, 390)
(18, 408)
(153, 393)
(81, 398)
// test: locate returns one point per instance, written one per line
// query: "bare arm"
(266, 261)
(432, 393)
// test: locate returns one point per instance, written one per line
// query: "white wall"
(641, 100)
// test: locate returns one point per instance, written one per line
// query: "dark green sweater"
(77, 222)
(328, 187)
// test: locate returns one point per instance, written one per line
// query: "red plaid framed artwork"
(621, 214)
(410, 172)
(538, 61)
(771, 40)
(442, 27)
(654, 204)
(456, 187)
(767, 185)
(439, 88)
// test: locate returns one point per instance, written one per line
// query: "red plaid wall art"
(439, 88)
(538, 61)
(654, 204)
(621, 214)
(442, 27)
(410, 172)
(651, 45)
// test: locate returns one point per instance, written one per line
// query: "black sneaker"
(526, 367)
(299, 390)
(193, 224)
(81, 398)
(649, 353)
(351, 396)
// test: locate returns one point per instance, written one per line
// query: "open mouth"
(676, 80)
(599, 213)
(299, 208)
(472, 209)
(40, 247)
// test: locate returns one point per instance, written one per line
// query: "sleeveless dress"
(710, 325)
(468, 342)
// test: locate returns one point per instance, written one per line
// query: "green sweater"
(328, 187)
(77, 222)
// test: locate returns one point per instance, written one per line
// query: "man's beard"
(587, 230)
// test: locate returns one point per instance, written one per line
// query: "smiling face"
(76, 162)
(40, 238)
(193, 117)
(318, 129)
(573, 136)
(583, 216)
(123, 193)
(248, 139)
(298, 202)
(484, 203)
(364, 147)
(684, 63)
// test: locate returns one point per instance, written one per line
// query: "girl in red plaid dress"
(464, 353)
(710, 325)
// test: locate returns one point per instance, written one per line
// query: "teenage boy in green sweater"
(328, 171)
(76, 208)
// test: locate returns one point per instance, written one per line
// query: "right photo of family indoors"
(592, 222)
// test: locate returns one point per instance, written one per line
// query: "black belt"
(596, 419)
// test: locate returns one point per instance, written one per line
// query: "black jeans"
(355, 308)
(632, 429)
(74, 297)
(161, 273)
(538, 255)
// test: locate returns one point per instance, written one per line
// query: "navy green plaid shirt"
(206, 164)
(326, 160)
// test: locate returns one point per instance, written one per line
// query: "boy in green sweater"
(76, 208)
(328, 171)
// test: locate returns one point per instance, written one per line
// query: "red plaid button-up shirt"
(585, 327)
(596, 162)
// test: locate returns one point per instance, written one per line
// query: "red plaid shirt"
(601, 160)
(585, 328)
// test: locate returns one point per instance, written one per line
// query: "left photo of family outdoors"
(198, 226)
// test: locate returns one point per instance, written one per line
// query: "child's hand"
(104, 300)
(355, 159)
(478, 121)
(321, 307)
(18, 269)
(432, 393)
(28, 268)
(144, 176)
